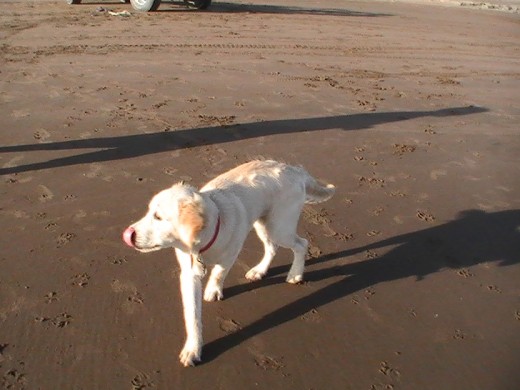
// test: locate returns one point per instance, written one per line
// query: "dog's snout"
(129, 236)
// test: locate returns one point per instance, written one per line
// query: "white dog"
(215, 221)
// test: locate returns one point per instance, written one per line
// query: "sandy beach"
(411, 109)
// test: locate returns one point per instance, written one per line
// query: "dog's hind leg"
(299, 248)
(214, 287)
(259, 270)
(281, 229)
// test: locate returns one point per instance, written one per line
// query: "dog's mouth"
(130, 239)
(146, 250)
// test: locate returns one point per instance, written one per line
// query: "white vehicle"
(152, 5)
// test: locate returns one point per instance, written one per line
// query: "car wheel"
(145, 5)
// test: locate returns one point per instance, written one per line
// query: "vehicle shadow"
(130, 146)
(474, 237)
(227, 7)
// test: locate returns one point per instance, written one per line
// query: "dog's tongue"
(128, 236)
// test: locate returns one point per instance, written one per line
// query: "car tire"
(145, 5)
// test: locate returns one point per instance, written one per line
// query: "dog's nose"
(129, 236)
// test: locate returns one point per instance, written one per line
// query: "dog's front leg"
(191, 291)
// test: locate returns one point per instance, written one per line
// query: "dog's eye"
(157, 217)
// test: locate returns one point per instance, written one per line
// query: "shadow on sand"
(123, 147)
(475, 237)
(226, 7)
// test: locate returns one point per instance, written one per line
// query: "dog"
(209, 227)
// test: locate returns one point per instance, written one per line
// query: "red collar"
(213, 239)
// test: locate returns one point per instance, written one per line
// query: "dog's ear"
(191, 219)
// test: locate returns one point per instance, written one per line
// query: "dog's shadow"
(475, 237)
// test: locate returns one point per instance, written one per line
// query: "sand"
(411, 110)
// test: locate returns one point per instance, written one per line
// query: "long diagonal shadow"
(123, 147)
(473, 238)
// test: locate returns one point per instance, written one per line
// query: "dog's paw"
(213, 294)
(294, 279)
(189, 356)
(253, 275)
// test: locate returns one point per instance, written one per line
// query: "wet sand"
(411, 110)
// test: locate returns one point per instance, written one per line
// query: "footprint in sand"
(64, 238)
(142, 381)
(228, 325)
(60, 321)
(268, 363)
(117, 260)
(133, 300)
(377, 211)
(170, 171)
(465, 273)
(426, 216)
(401, 149)
(51, 226)
(373, 182)
(312, 316)
(368, 293)
(44, 193)
(397, 193)
(381, 386)
(132, 303)
(387, 370)
(51, 297)
(13, 379)
(315, 217)
(430, 130)
(493, 288)
(41, 135)
(80, 280)
(459, 335)
(313, 251)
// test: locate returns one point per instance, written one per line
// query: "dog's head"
(175, 219)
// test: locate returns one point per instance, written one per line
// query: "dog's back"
(271, 179)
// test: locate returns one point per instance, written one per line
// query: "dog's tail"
(316, 192)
